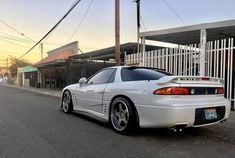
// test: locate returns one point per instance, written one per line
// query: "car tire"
(67, 104)
(123, 116)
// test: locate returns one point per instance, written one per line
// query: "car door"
(90, 95)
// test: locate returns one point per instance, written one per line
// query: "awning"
(191, 34)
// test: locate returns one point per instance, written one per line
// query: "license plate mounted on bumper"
(210, 114)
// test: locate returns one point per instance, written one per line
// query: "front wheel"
(67, 104)
(123, 116)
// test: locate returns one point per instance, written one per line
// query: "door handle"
(101, 92)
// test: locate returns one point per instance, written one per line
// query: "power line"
(11, 27)
(14, 43)
(54, 27)
(15, 39)
(54, 30)
(82, 19)
(23, 40)
(12, 40)
(174, 12)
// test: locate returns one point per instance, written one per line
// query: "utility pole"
(138, 25)
(117, 32)
(41, 51)
(7, 76)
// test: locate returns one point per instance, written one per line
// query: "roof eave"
(196, 27)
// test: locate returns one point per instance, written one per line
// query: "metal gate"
(185, 60)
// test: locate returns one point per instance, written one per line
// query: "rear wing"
(201, 79)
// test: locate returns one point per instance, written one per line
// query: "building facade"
(27, 76)
(53, 70)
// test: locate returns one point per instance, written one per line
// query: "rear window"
(139, 74)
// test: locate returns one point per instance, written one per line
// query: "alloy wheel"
(66, 102)
(120, 115)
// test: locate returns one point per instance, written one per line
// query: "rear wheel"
(123, 116)
(67, 104)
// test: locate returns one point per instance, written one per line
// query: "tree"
(15, 64)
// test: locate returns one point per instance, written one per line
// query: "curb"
(34, 90)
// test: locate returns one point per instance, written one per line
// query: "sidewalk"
(53, 93)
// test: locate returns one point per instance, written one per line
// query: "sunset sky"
(35, 17)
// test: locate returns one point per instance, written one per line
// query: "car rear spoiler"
(168, 79)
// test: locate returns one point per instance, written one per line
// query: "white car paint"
(154, 111)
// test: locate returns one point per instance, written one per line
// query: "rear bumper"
(170, 116)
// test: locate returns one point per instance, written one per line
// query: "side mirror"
(82, 81)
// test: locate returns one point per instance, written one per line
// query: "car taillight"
(205, 78)
(220, 90)
(172, 91)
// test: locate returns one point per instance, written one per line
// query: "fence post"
(203, 39)
(143, 51)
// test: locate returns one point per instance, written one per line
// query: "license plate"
(210, 114)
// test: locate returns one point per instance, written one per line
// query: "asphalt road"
(31, 126)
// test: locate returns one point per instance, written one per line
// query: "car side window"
(102, 77)
(140, 74)
(112, 78)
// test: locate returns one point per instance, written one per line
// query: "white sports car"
(132, 97)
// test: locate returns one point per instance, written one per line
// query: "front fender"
(71, 89)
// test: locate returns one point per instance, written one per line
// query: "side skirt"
(91, 116)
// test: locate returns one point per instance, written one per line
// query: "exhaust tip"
(178, 128)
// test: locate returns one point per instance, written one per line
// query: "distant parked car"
(132, 97)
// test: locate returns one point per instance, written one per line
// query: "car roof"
(117, 66)
(136, 67)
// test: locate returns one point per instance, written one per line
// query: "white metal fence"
(220, 63)
(185, 60)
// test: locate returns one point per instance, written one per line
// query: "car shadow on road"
(213, 133)
(91, 120)
(148, 132)
(168, 133)
(145, 132)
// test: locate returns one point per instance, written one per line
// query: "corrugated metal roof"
(108, 53)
